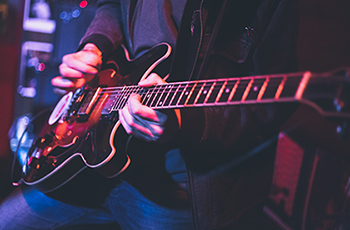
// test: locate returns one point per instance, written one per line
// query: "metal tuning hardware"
(77, 100)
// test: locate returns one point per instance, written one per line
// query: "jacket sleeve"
(219, 134)
(105, 30)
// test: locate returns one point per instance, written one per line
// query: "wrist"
(92, 48)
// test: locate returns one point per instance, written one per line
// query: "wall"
(10, 40)
(324, 35)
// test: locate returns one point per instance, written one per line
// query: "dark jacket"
(229, 151)
(230, 169)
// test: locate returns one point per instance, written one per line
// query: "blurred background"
(35, 34)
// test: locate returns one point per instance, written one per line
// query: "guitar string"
(232, 81)
(144, 91)
(118, 90)
(178, 99)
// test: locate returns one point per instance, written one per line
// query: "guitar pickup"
(88, 104)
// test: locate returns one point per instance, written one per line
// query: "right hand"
(77, 69)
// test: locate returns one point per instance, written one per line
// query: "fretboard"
(228, 91)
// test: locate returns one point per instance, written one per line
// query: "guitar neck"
(326, 92)
(218, 92)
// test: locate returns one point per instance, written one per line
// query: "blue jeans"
(27, 208)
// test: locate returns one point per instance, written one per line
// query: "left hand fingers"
(138, 119)
(129, 123)
(142, 111)
(141, 121)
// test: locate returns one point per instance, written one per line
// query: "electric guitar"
(83, 129)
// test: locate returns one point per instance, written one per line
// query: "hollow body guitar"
(83, 129)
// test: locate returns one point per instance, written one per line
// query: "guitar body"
(81, 133)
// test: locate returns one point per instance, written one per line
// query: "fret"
(200, 91)
(201, 84)
(195, 93)
(305, 80)
(164, 96)
(247, 89)
(144, 93)
(220, 92)
(233, 91)
(209, 92)
(126, 97)
(128, 94)
(263, 88)
(171, 94)
(137, 90)
(280, 87)
(190, 94)
(291, 86)
(119, 98)
(186, 93)
(241, 88)
(255, 89)
(226, 91)
(177, 95)
(149, 96)
(271, 88)
(204, 92)
(215, 91)
(157, 95)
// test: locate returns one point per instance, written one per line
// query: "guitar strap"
(177, 70)
(190, 43)
(213, 30)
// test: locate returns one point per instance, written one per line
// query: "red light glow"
(83, 4)
(41, 67)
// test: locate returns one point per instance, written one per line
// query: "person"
(191, 168)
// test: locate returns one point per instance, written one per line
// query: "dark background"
(324, 45)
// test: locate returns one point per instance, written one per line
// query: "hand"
(148, 124)
(77, 69)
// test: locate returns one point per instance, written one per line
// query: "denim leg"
(134, 211)
(30, 209)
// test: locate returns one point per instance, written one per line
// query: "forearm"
(105, 29)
